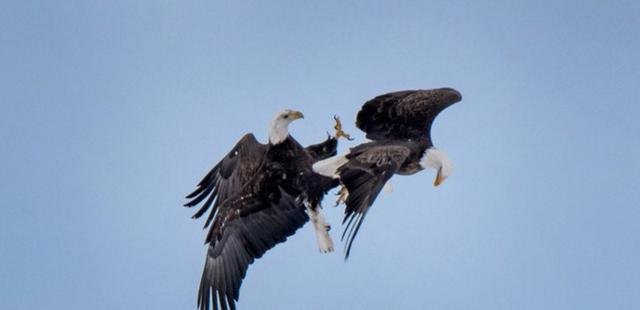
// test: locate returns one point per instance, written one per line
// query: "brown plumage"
(399, 125)
(255, 197)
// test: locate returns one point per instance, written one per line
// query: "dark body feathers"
(399, 124)
(255, 197)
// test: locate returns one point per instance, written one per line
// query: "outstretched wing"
(242, 232)
(364, 176)
(323, 150)
(404, 114)
(228, 177)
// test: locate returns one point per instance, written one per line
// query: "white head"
(436, 159)
(279, 130)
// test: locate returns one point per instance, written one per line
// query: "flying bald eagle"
(399, 125)
(257, 196)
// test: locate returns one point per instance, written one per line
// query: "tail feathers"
(329, 167)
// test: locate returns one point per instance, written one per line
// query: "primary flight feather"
(257, 196)
(399, 125)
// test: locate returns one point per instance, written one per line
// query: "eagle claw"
(339, 132)
(343, 194)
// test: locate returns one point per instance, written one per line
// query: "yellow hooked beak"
(439, 178)
(296, 115)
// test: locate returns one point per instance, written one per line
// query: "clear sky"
(111, 111)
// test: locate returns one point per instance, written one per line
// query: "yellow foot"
(338, 128)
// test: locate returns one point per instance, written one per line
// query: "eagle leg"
(321, 228)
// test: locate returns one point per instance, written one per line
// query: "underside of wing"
(364, 177)
(228, 177)
(243, 232)
(404, 114)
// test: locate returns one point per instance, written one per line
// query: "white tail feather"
(329, 166)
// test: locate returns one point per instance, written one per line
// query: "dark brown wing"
(364, 176)
(323, 150)
(404, 114)
(228, 177)
(242, 232)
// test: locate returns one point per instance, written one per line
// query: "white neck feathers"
(438, 160)
(279, 131)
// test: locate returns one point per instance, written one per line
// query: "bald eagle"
(399, 125)
(257, 196)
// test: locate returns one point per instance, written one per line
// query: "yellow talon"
(339, 131)
(343, 194)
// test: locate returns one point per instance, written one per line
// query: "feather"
(405, 114)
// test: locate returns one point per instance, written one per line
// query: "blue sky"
(111, 111)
